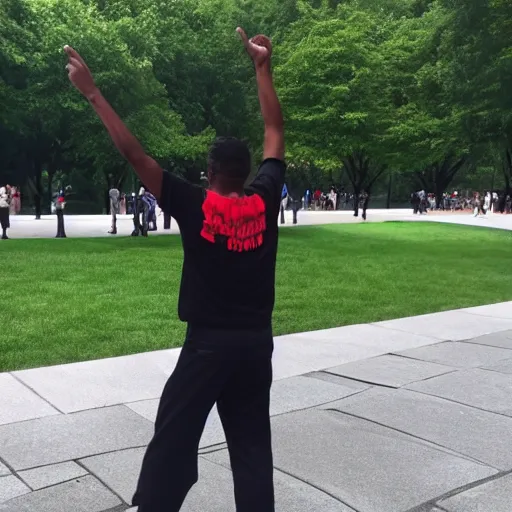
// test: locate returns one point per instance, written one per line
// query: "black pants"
(4, 219)
(233, 369)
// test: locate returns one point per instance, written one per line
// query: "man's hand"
(79, 73)
(259, 48)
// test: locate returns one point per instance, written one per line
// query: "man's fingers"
(72, 62)
(243, 36)
(72, 53)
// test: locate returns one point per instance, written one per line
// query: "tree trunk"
(439, 198)
(107, 202)
(507, 171)
(49, 188)
(38, 171)
(388, 200)
(356, 203)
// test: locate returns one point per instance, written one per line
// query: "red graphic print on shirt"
(239, 221)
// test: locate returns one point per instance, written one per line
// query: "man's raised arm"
(148, 170)
(259, 49)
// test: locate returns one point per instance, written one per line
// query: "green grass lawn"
(77, 299)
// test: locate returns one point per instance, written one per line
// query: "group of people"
(10, 204)
(479, 204)
(334, 199)
(142, 206)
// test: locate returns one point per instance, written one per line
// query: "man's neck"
(232, 195)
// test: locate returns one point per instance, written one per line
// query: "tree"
(330, 83)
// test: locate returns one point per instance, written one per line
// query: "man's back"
(230, 247)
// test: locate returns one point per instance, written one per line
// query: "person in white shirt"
(487, 202)
(5, 203)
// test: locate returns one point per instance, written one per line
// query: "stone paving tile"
(377, 469)
(11, 487)
(303, 392)
(4, 471)
(18, 403)
(498, 339)
(500, 310)
(119, 470)
(371, 336)
(294, 355)
(391, 370)
(52, 475)
(67, 437)
(493, 496)
(93, 384)
(478, 434)
(490, 391)
(449, 325)
(503, 367)
(83, 495)
(459, 355)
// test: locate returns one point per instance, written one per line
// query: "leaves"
(366, 85)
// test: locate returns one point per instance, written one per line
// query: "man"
(5, 205)
(150, 200)
(229, 236)
(284, 202)
(114, 196)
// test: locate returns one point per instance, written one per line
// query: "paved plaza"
(25, 226)
(408, 415)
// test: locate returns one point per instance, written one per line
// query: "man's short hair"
(230, 159)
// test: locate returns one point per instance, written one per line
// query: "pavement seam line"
(470, 342)
(108, 487)
(84, 457)
(359, 380)
(36, 393)
(8, 466)
(433, 338)
(459, 490)
(323, 491)
(486, 316)
(436, 446)
(462, 403)
(55, 485)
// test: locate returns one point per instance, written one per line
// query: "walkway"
(98, 225)
(406, 415)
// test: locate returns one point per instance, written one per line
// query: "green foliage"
(412, 87)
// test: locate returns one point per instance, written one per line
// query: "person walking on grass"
(5, 205)
(229, 235)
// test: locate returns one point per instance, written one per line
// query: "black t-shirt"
(230, 247)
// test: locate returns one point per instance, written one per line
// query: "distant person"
(487, 203)
(151, 202)
(307, 199)
(365, 200)
(316, 198)
(284, 202)
(477, 204)
(229, 235)
(122, 204)
(15, 201)
(5, 205)
(114, 196)
(332, 199)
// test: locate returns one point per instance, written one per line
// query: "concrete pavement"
(406, 415)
